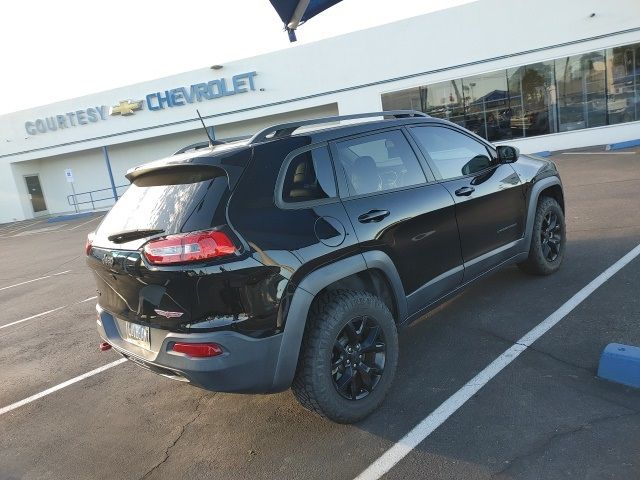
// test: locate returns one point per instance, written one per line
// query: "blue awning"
(294, 12)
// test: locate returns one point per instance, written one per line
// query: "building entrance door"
(35, 194)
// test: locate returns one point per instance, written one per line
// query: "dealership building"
(544, 75)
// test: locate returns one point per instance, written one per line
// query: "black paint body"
(435, 240)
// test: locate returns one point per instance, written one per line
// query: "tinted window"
(453, 153)
(309, 177)
(379, 162)
(175, 202)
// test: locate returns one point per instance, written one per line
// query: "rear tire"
(548, 239)
(348, 356)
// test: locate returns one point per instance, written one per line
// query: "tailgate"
(164, 201)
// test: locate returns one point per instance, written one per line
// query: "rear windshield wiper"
(128, 235)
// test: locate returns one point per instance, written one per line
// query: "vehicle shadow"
(549, 391)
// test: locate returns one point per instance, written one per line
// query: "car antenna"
(211, 141)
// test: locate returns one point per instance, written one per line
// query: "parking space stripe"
(436, 418)
(34, 280)
(22, 227)
(46, 313)
(60, 386)
(84, 223)
(32, 317)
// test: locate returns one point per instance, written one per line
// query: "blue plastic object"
(620, 145)
(288, 9)
(70, 216)
(621, 364)
(545, 153)
(285, 8)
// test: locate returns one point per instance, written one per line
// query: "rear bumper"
(247, 364)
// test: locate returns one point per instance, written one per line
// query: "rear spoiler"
(232, 165)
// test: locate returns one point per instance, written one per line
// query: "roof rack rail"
(286, 129)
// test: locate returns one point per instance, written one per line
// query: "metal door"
(35, 194)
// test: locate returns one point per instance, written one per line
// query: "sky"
(56, 50)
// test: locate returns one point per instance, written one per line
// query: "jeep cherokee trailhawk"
(290, 259)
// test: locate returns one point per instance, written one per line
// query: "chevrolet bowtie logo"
(126, 107)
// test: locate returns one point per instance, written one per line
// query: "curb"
(70, 216)
(621, 364)
(620, 145)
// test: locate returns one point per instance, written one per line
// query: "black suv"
(291, 258)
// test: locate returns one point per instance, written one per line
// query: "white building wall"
(349, 72)
(11, 202)
(90, 171)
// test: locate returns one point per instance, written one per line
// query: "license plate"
(137, 334)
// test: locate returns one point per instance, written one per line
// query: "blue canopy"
(295, 12)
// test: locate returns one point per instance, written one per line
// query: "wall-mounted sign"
(220, 87)
(175, 97)
(67, 120)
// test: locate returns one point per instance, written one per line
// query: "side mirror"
(507, 153)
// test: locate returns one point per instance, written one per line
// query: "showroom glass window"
(570, 93)
(532, 101)
(623, 72)
(441, 100)
(487, 104)
(581, 91)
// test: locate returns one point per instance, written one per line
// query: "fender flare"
(536, 190)
(304, 295)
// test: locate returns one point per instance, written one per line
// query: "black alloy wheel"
(548, 239)
(348, 356)
(358, 359)
(550, 236)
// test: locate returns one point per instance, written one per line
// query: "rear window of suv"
(183, 200)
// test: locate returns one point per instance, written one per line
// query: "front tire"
(348, 357)
(548, 239)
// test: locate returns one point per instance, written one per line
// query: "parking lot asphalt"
(546, 415)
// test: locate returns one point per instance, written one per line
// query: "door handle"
(373, 216)
(465, 191)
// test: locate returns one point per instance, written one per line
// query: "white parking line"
(52, 228)
(60, 386)
(421, 431)
(34, 280)
(11, 230)
(84, 223)
(32, 317)
(45, 313)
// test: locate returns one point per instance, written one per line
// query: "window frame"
(490, 150)
(343, 183)
(282, 174)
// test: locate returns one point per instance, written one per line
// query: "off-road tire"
(538, 263)
(314, 385)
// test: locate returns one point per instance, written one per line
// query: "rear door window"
(379, 162)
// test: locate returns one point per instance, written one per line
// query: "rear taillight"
(189, 247)
(88, 244)
(199, 350)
